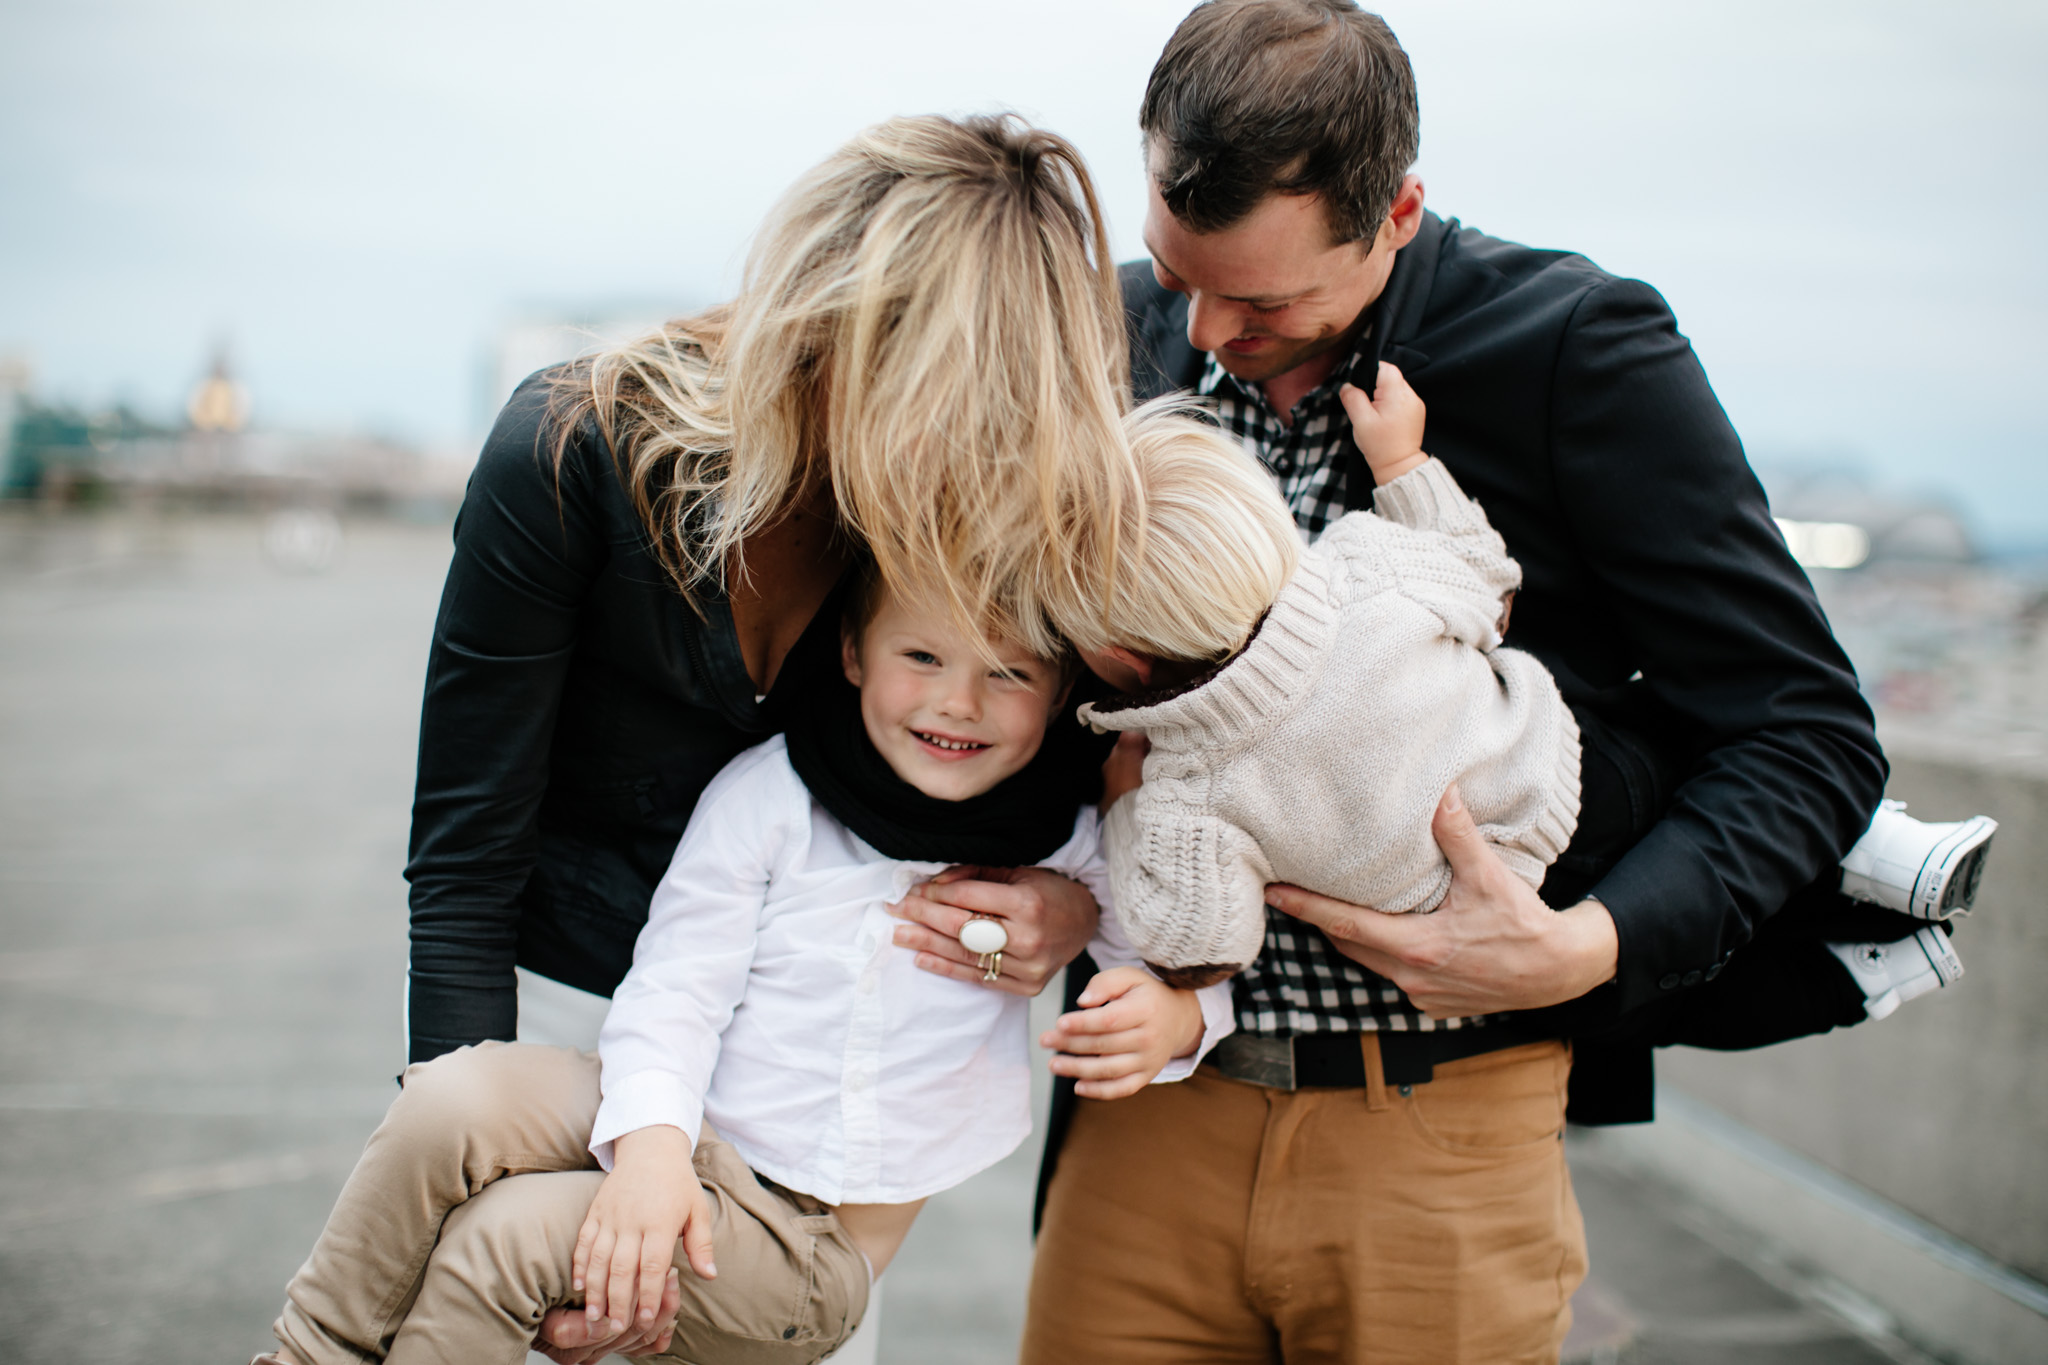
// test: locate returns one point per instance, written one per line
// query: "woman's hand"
(1130, 1026)
(1049, 920)
(649, 1202)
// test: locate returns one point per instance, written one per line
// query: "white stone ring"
(986, 938)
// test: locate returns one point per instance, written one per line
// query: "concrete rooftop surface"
(206, 753)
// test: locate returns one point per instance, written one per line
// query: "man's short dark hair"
(1253, 97)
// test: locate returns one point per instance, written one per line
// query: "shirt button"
(1713, 971)
(1669, 983)
(1692, 978)
(868, 983)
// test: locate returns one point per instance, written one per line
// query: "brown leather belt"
(1338, 1059)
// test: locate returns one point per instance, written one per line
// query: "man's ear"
(1404, 219)
(849, 656)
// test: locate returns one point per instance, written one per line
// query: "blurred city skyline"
(1838, 199)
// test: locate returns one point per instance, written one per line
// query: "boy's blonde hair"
(1206, 548)
(931, 320)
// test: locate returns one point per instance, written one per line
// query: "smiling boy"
(777, 1087)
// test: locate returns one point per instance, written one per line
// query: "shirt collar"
(1215, 377)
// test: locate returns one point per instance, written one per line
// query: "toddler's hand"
(1387, 426)
(649, 1202)
(1131, 1025)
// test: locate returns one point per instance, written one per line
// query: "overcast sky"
(1843, 201)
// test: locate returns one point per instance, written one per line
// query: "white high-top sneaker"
(1893, 973)
(1925, 870)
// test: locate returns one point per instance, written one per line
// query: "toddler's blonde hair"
(1206, 548)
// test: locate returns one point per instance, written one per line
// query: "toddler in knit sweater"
(1362, 676)
(1306, 708)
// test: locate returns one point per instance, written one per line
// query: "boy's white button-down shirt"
(767, 996)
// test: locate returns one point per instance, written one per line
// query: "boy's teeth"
(950, 743)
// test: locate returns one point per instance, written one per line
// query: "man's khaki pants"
(1218, 1221)
(453, 1237)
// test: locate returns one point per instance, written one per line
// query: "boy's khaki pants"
(432, 1255)
(1218, 1221)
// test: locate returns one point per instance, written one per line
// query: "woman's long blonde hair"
(931, 320)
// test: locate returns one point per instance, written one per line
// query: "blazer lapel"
(1397, 317)
(1398, 313)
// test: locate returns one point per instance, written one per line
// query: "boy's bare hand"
(649, 1202)
(1387, 426)
(1130, 1026)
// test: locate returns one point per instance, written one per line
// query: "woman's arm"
(527, 545)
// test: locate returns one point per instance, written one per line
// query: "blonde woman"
(925, 362)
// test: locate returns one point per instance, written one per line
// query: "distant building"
(540, 339)
(64, 455)
(219, 403)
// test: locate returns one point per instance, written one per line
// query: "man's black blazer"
(1654, 580)
(1655, 585)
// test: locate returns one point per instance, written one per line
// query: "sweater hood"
(1263, 681)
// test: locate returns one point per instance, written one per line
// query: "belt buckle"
(1261, 1060)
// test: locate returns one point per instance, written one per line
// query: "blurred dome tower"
(219, 403)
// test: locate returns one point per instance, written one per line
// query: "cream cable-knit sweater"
(1317, 756)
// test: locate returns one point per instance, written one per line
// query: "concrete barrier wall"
(1943, 1108)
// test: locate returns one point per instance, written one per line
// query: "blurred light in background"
(1825, 544)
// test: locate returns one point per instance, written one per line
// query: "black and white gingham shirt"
(1300, 983)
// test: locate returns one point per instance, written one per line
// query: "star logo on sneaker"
(1873, 954)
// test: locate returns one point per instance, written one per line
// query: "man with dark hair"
(1371, 1171)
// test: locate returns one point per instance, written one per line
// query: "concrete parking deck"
(205, 771)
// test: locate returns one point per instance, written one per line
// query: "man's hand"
(649, 1202)
(1387, 426)
(1049, 920)
(567, 1337)
(1492, 945)
(1130, 1026)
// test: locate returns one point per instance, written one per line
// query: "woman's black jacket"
(575, 708)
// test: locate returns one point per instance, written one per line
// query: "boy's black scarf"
(1019, 822)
